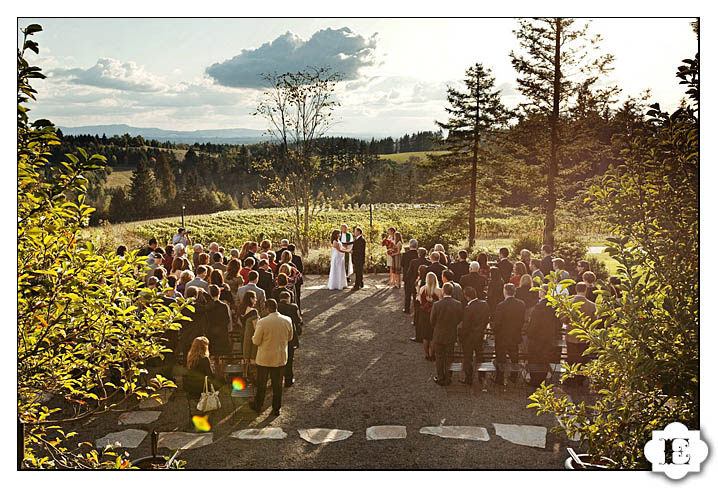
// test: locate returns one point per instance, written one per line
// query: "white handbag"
(209, 400)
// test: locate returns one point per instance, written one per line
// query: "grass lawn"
(404, 157)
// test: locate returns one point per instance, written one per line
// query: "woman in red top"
(248, 266)
(272, 259)
(428, 294)
(519, 271)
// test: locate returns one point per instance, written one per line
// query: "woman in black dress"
(218, 318)
(198, 367)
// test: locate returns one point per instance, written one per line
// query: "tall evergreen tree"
(475, 116)
(165, 178)
(144, 194)
(554, 49)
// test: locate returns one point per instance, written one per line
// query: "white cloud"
(113, 74)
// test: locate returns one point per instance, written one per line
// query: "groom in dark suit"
(358, 251)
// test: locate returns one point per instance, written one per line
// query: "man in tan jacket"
(273, 333)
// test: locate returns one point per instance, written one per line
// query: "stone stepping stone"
(139, 417)
(126, 439)
(386, 432)
(323, 435)
(477, 433)
(269, 433)
(528, 436)
(244, 393)
(315, 287)
(160, 399)
(182, 440)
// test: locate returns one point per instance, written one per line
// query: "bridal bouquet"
(389, 245)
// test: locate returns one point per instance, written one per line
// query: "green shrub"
(571, 250)
(530, 241)
(598, 267)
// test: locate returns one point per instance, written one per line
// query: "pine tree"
(144, 194)
(165, 178)
(554, 50)
(475, 116)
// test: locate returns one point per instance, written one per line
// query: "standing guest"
(290, 310)
(232, 276)
(272, 259)
(196, 325)
(224, 257)
(406, 259)
(475, 280)
(505, 265)
(389, 250)
(446, 314)
(525, 293)
(248, 263)
(154, 260)
(428, 295)
(152, 282)
(196, 251)
(252, 285)
(273, 334)
(160, 273)
(185, 277)
(150, 248)
(484, 268)
(169, 257)
(396, 259)
(519, 271)
(525, 258)
(213, 248)
(219, 322)
(422, 260)
(199, 366)
(460, 267)
(121, 250)
(248, 317)
(447, 277)
(559, 266)
(411, 278)
(234, 253)
(508, 322)
(575, 346)
(590, 278)
(495, 292)
(471, 333)
(535, 270)
(203, 259)
(581, 267)
(179, 252)
(546, 259)
(199, 280)
(291, 273)
(216, 278)
(543, 331)
(442, 254)
(218, 263)
(282, 248)
(265, 246)
(252, 249)
(171, 294)
(282, 285)
(358, 257)
(182, 237)
(245, 249)
(266, 279)
(436, 268)
(298, 279)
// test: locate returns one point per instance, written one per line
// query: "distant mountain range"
(215, 136)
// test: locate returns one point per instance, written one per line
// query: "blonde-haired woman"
(395, 270)
(199, 366)
(428, 295)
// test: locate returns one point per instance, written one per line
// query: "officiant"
(347, 240)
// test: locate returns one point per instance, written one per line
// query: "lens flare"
(238, 384)
(201, 423)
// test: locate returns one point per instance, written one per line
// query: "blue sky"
(190, 74)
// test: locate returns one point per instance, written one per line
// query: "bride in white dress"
(337, 272)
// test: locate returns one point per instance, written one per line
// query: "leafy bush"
(598, 267)
(530, 241)
(572, 251)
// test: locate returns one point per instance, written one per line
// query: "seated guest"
(266, 279)
(199, 279)
(476, 280)
(484, 268)
(460, 267)
(507, 325)
(248, 316)
(219, 324)
(198, 367)
(505, 265)
(519, 271)
(248, 267)
(445, 317)
(286, 308)
(536, 272)
(429, 294)
(590, 279)
(543, 332)
(471, 333)
(495, 292)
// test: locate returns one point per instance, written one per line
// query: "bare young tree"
(299, 109)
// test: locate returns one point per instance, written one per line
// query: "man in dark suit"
(358, 257)
(475, 280)
(266, 278)
(299, 265)
(435, 266)
(508, 321)
(471, 333)
(282, 248)
(422, 260)
(409, 255)
(505, 266)
(252, 253)
(460, 266)
(286, 308)
(546, 260)
(447, 277)
(409, 280)
(446, 315)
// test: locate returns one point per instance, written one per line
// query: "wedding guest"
(535, 270)
(410, 290)
(582, 267)
(590, 279)
(266, 279)
(286, 308)
(614, 283)
(428, 295)
(218, 262)
(232, 276)
(436, 268)
(471, 333)
(248, 316)
(406, 259)
(121, 251)
(199, 279)
(248, 263)
(476, 280)
(447, 277)
(272, 259)
(219, 325)
(495, 292)
(179, 252)
(185, 277)
(199, 366)
(525, 258)
(177, 267)
(504, 264)
(265, 246)
(196, 325)
(299, 277)
(196, 251)
(543, 332)
(524, 292)
(389, 259)
(169, 257)
(460, 267)
(575, 346)
(282, 248)
(443, 259)
(519, 271)
(445, 316)
(508, 321)
(150, 248)
(484, 268)
(282, 285)
(203, 259)
(546, 259)
(252, 285)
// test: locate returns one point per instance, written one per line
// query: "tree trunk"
(550, 222)
(474, 165)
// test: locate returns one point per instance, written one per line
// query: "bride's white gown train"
(337, 273)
